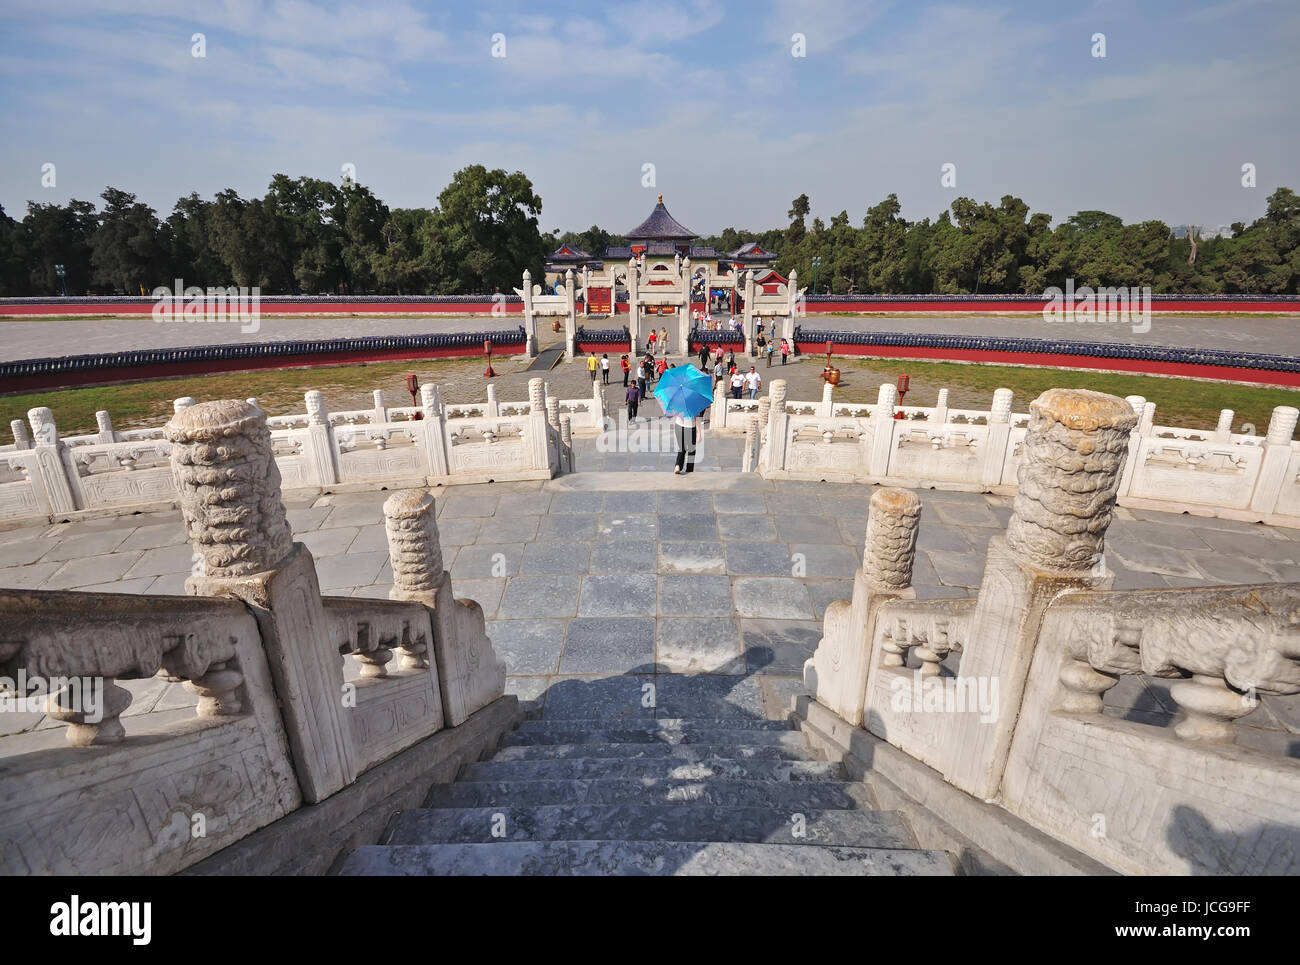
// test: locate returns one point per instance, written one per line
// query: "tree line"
(308, 236)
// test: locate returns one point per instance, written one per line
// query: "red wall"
(1141, 366)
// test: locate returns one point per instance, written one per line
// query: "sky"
(739, 107)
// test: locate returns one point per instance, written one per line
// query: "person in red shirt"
(650, 341)
(626, 370)
(659, 368)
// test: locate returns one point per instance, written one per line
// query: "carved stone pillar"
(21, 439)
(538, 436)
(940, 414)
(764, 411)
(827, 408)
(229, 490)
(380, 412)
(104, 425)
(470, 676)
(493, 408)
(882, 430)
(1277, 457)
(1073, 453)
(1223, 431)
(321, 449)
(570, 315)
(994, 457)
(751, 444)
(778, 421)
(837, 673)
(566, 440)
(54, 473)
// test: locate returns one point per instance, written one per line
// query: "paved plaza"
(707, 591)
(20, 339)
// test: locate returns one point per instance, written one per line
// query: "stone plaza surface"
(39, 339)
(711, 587)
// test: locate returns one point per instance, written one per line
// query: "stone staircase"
(650, 797)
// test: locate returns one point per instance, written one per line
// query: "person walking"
(704, 357)
(633, 400)
(604, 368)
(650, 366)
(640, 378)
(663, 340)
(753, 383)
(660, 367)
(737, 384)
(718, 372)
(592, 365)
(687, 430)
(650, 342)
(771, 347)
(627, 369)
(785, 351)
(731, 357)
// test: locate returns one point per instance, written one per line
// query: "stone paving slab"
(596, 585)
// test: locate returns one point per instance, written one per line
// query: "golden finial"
(661, 199)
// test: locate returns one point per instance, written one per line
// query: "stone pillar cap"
(408, 503)
(211, 421)
(1084, 410)
(895, 501)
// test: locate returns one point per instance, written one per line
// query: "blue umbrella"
(684, 390)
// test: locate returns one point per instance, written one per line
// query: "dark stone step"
(605, 858)
(661, 768)
(791, 795)
(791, 747)
(651, 822)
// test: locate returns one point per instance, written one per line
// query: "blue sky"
(707, 91)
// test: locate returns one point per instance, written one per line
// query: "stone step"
(639, 858)
(787, 795)
(661, 768)
(791, 747)
(743, 731)
(651, 822)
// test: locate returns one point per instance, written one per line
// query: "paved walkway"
(710, 586)
(21, 339)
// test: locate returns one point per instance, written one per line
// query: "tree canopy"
(308, 236)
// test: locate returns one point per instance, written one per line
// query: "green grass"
(1190, 403)
(278, 391)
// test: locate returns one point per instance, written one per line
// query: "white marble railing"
(429, 445)
(1203, 472)
(1003, 695)
(278, 724)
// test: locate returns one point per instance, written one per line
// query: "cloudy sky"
(708, 92)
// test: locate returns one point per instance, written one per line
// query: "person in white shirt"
(686, 429)
(737, 384)
(752, 382)
(604, 369)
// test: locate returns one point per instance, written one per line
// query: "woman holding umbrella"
(685, 394)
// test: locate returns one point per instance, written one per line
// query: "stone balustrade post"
(1074, 452)
(493, 408)
(380, 412)
(838, 671)
(530, 319)
(566, 440)
(538, 437)
(827, 408)
(718, 413)
(321, 449)
(21, 439)
(764, 412)
(633, 307)
(778, 426)
(1138, 433)
(434, 427)
(749, 311)
(994, 458)
(882, 430)
(1277, 457)
(940, 414)
(470, 675)
(229, 489)
(571, 314)
(104, 427)
(1223, 431)
(62, 487)
(750, 454)
(598, 410)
